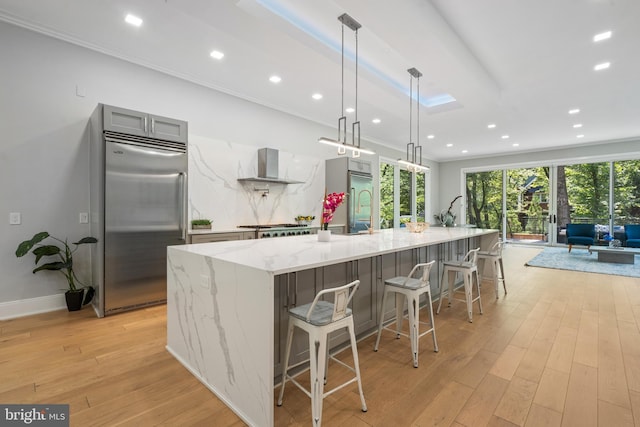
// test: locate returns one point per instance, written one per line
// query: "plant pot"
(74, 299)
(201, 227)
(324, 235)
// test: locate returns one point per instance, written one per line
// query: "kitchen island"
(227, 302)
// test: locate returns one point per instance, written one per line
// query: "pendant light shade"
(341, 142)
(413, 162)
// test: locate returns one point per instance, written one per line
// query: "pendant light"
(341, 142)
(413, 163)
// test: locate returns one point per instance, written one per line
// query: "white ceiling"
(519, 64)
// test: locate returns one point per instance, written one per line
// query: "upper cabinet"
(142, 124)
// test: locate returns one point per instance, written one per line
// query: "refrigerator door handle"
(183, 214)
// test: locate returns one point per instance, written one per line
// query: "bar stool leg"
(413, 308)
(399, 312)
(286, 360)
(504, 283)
(433, 322)
(317, 345)
(478, 287)
(381, 318)
(356, 362)
(495, 275)
(468, 291)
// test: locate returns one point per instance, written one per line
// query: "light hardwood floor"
(561, 349)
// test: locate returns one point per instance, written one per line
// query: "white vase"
(324, 235)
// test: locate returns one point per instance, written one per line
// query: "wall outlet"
(84, 217)
(15, 218)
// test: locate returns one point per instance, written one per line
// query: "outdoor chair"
(632, 234)
(581, 234)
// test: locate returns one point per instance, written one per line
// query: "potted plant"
(63, 264)
(200, 224)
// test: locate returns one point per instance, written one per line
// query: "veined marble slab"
(220, 304)
(284, 255)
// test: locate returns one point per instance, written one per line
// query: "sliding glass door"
(583, 192)
(533, 205)
(527, 207)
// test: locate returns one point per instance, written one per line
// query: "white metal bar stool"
(468, 266)
(411, 288)
(319, 319)
(494, 255)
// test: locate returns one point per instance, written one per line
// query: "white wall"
(44, 168)
(451, 179)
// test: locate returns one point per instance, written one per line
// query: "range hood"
(268, 169)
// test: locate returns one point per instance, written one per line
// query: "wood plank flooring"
(561, 349)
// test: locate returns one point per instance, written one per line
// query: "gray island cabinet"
(227, 302)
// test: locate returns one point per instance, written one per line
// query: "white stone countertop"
(295, 253)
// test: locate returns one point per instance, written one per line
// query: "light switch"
(15, 218)
(84, 217)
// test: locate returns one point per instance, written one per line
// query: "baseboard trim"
(27, 307)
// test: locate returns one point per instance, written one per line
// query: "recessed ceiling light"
(602, 36)
(465, 151)
(316, 96)
(349, 109)
(491, 126)
(574, 111)
(602, 66)
(577, 125)
(449, 145)
(376, 121)
(505, 137)
(516, 145)
(133, 20)
(275, 79)
(580, 136)
(216, 54)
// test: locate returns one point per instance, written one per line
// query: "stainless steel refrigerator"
(138, 205)
(353, 177)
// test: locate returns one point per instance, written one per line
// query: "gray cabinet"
(142, 124)
(221, 237)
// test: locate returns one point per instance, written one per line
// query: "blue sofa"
(581, 234)
(632, 234)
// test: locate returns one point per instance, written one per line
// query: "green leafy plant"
(63, 259)
(200, 222)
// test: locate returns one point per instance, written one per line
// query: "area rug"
(581, 260)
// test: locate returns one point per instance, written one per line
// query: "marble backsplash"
(216, 194)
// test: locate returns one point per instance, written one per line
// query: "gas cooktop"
(269, 226)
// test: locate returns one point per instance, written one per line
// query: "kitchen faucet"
(358, 206)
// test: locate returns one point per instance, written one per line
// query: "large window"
(484, 199)
(387, 192)
(403, 195)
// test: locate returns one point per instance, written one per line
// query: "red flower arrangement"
(329, 206)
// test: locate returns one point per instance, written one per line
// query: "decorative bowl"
(417, 227)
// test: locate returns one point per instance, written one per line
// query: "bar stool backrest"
(496, 249)
(426, 270)
(472, 256)
(341, 299)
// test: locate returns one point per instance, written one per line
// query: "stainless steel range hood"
(268, 168)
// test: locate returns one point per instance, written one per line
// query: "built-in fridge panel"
(354, 178)
(360, 214)
(138, 208)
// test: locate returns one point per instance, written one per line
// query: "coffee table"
(617, 255)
